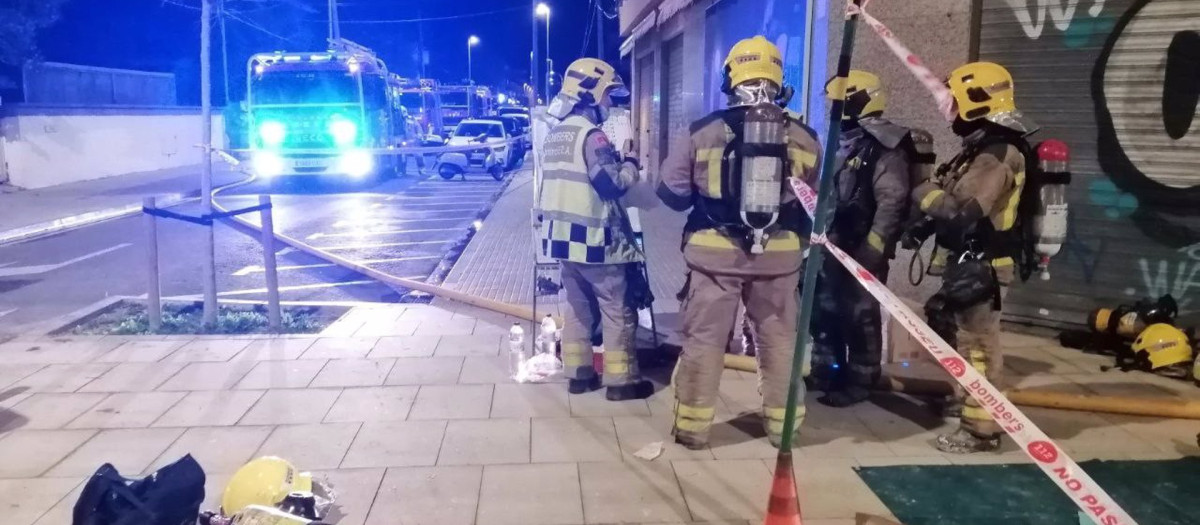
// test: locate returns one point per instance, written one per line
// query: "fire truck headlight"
(267, 164)
(344, 132)
(272, 133)
(356, 163)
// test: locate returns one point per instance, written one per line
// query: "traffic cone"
(783, 508)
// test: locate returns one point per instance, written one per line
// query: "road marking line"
(385, 222)
(259, 269)
(448, 210)
(317, 286)
(380, 245)
(19, 271)
(322, 235)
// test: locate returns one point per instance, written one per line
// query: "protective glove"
(916, 233)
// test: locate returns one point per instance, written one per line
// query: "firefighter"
(872, 188)
(587, 229)
(742, 239)
(972, 206)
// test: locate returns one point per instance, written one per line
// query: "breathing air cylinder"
(1050, 220)
(764, 148)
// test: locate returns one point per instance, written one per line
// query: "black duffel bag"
(171, 496)
(969, 281)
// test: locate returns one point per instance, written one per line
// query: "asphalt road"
(404, 227)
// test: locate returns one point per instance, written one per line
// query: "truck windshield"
(412, 101)
(454, 98)
(475, 129)
(305, 87)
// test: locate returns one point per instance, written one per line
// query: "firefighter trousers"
(978, 338)
(847, 328)
(596, 298)
(709, 312)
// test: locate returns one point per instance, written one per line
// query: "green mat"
(1153, 492)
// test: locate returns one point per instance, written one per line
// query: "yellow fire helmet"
(1163, 345)
(588, 79)
(264, 481)
(753, 59)
(982, 89)
(864, 94)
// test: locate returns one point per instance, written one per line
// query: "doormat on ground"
(1153, 492)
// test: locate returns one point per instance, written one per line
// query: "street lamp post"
(543, 10)
(472, 41)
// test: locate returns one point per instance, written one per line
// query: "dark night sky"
(163, 36)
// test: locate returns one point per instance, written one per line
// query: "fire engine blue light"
(272, 133)
(343, 131)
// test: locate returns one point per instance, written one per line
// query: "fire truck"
(464, 102)
(423, 101)
(322, 113)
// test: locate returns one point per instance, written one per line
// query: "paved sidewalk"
(498, 264)
(408, 411)
(22, 210)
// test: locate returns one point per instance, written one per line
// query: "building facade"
(1117, 80)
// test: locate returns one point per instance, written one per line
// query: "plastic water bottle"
(516, 350)
(549, 337)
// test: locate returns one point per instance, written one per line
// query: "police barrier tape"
(407, 150)
(1047, 455)
(935, 85)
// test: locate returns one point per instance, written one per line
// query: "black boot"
(583, 386)
(963, 442)
(851, 395)
(636, 390)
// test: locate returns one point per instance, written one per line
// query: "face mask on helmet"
(754, 92)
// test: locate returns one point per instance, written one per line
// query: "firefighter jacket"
(872, 187)
(977, 195)
(695, 171)
(583, 179)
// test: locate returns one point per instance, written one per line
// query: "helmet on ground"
(864, 94)
(981, 90)
(753, 59)
(1162, 345)
(588, 79)
(264, 481)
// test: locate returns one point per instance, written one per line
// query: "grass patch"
(130, 318)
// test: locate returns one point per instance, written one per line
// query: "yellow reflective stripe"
(692, 412)
(976, 413)
(710, 158)
(979, 360)
(573, 355)
(940, 258)
(1009, 216)
(875, 241)
(1002, 262)
(775, 418)
(801, 160)
(931, 198)
(783, 241)
(688, 425)
(616, 363)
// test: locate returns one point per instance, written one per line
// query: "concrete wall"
(49, 146)
(631, 11)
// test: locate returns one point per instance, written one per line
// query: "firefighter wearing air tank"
(974, 205)
(742, 239)
(878, 162)
(586, 228)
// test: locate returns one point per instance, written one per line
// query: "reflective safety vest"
(578, 225)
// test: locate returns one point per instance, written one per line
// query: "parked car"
(494, 156)
(516, 129)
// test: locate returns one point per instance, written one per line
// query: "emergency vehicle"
(322, 113)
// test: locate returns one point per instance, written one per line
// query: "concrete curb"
(43, 229)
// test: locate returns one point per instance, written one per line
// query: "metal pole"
(534, 59)
(224, 54)
(599, 31)
(816, 253)
(470, 80)
(420, 42)
(335, 25)
(206, 182)
(274, 316)
(153, 289)
(549, 61)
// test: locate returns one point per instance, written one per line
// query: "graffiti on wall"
(1146, 86)
(1060, 13)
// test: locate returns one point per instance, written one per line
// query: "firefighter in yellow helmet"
(585, 227)
(742, 240)
(877, 161)
(973, 204)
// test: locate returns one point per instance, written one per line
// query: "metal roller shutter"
(676, 121)
(1118, 81)
(645, 107)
